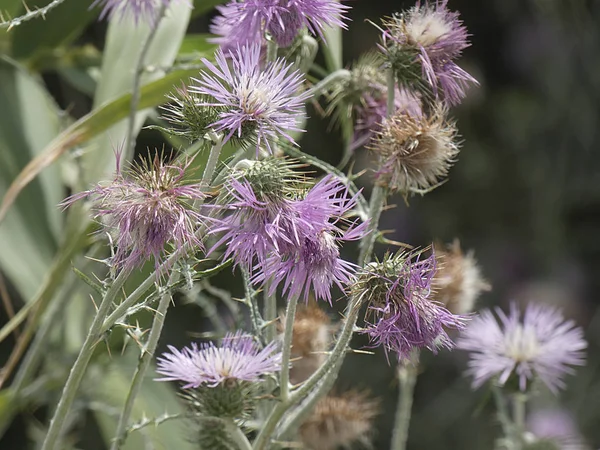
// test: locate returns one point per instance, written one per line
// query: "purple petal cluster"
(246, 21)
(238, 358)
(256, 103)
(437, 37)
(543, 345)
(141, 10)
(148, 207)
(294, 242)
(402, 316)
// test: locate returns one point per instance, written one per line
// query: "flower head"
(414, 152)
(247, 21)
(458, 282)
(401, 315)
(340, 421)
(422, 45)
(543, 345)
(148, 206)
(146, 10)
(255, 104)
(238, 358)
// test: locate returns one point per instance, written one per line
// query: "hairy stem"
(81, 363)
(137, 80)
(323, 85)
(519, 406)
(290, 314)
(39, 12)
(270, 313)
(407, 377)
(502, 411)
(237, 435)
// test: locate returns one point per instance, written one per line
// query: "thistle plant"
(283, 228)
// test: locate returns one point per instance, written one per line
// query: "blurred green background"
(524, 195)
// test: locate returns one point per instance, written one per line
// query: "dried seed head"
(310, 341)
(415, 152)
(340, 421)
(458, 281)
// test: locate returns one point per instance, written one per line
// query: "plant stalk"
(407, 377)
(237, 435)
(290, 314)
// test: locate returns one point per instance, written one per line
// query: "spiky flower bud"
(310, 340)
(457, 282)
(340, 421)
(401, 314)
(213, 435)
(415, 152)
(421, 46)
(148, 206)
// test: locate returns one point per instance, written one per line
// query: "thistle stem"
(81, 363)
(407, 377)
(519, 406)
(144, 362)
(271, 51)
(237, 435)
(321, 86)
(270, 312)
(378, 197)
(290, 314)
(40, 12)
(137, 79)
(502, 411)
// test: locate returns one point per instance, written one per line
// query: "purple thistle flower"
(247, 21)
(434, 37)
(314, 263)
(238, 358)
(146, 10)
(258, 104)
(543, 345)
(148, 209)
(401, 315)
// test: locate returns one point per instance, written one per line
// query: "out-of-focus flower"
(401, 314)
(141, 10)
(553, 429)
(148, 207)
(238, 358)
(310, 340)
(247, 21)
(256, 104)
(421, 47)
(457, 282)
(340, 421)
(362, 95)
(414, 153)
(542, 346)
(319, 225)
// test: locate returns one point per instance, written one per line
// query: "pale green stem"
(250, 297)
(519, 406)
(213, 159)
(143, 364)
(270, 312)
(407, 377)
(332, 78)
(137, 80)
(503, 416)
(290, 314)
(81, 363)
(271, 51)
(378, 197)
(238, 436)
(39, 12)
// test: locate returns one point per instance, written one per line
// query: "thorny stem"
(40, 12)
(288, 332)
(250, 299)
(147, 352)
(237, 435)
(271, 50)
(137, 79)
(270, 312)
(78, 369)
(321, 86)
(407, 377)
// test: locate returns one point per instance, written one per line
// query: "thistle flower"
(256, 104)
(146, 10)
(542, 346)
(458, 282)
(414, 153)
(421, 47)
(315, 263)
(401, 315)
(238, 358)
(340, 421)
(310, 340)
(247, 21)
(553, 429)
(148, 207)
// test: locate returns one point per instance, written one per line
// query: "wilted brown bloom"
(458, 280)
(310, 341)
(415, 152)
(340, 421)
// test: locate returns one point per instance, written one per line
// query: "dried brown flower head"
(415, 152)
(310, 341)
(458, 281)
(340, 421)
